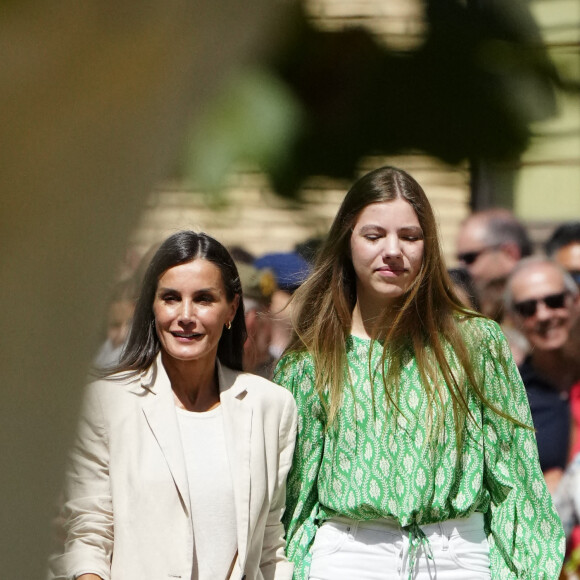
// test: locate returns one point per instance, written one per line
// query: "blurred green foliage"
(255, 119)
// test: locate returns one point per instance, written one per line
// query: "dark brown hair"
(185, 246)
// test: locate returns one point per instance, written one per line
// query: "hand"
(88, 577)
(552, 477)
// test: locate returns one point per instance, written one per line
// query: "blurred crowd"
(532, 292)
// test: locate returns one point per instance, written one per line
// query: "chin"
(391, 293)
(550, 344)
(184, 355)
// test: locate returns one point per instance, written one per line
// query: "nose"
(542, 311)
(186, 312)
(392, 247)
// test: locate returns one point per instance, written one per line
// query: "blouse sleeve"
(295, 373)
(525, 533)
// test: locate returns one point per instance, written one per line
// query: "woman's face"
(191, 309)
(386, 251)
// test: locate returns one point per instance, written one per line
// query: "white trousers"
(345, 549)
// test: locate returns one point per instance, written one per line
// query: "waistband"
(447, 527)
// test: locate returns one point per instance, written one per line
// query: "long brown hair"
(426, 318)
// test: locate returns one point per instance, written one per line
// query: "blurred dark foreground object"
(468, 92)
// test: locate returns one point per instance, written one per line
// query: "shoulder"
(118, 382)
(527, 370)
(259, 387)
(538, 387)
(479, 326)
(483, 335)
(112, 392)
(294, 363)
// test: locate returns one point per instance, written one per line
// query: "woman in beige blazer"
(179, 466)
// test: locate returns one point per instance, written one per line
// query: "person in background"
(564, 247)
(489, 245)
(415, 456)
(464, 288)
(290, 270)
(309, 249)
(258, 286)
(544, 302)
(240, 255)
(567, 503)
(118, 323)
(179, 465)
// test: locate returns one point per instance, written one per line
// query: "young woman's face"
(386, 250)
(191, 309)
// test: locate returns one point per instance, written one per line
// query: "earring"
(229, 325)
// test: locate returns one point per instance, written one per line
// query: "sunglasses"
(468, 258)
(575, 275)
(527, 308)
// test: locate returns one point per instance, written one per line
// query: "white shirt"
(211, 492)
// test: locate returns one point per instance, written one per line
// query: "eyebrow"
(199, 291)
(370, 227)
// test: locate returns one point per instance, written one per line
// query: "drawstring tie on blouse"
(417, 539)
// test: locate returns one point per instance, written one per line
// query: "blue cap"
(290, 269)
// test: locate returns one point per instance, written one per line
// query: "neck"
(194, 383)
(365, 318)
(556, 367)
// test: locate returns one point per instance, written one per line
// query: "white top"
(211, 492)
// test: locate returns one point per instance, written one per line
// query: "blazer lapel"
(238, 432)
(159, 410)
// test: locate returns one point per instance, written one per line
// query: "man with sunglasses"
(490, 243)
(543, 300)
(564, 247)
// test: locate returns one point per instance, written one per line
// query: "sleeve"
(295, 373)
(273, 563)
(525, 533)
(87, 511)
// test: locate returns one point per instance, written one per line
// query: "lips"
(186, 335)
(389, 271)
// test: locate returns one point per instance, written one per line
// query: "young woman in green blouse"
(415, 455)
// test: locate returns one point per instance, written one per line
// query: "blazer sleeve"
(87, 511)
(273, 562)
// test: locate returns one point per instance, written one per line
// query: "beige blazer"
(127, 509)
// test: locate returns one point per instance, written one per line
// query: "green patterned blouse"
(377, 463)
